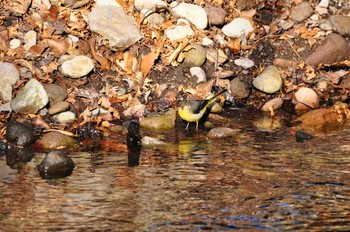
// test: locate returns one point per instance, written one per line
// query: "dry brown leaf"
(50, 67)
(37, 49)
(58, 46)
(20, 6)
(105, 65)
(147, 62)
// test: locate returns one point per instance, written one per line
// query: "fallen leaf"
(105, 65)
(58, 46)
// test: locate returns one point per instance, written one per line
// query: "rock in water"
(56, 164)
(19, 133)
(31, 98)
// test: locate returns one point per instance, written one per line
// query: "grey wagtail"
(194, 111)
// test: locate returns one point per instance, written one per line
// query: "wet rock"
(269, 81)
(17, 155)
(306, 99)
(9, 75)
(268, 124)
(341, 24)
(238, 26)
(178, 32)
(133, 138)
(89, 131)
(31, 98)
(199, 73)
(244, 63)
(301, 12)
(3, 147)
(245, 4)
(112, 23)
(333, 49)
(323, 121)
(148, 4)
(239, 88)
(273, 104)
(19, 133)
(160, 122)
(64, 117)
(216, 15)
(152, 142)
(77, 67)
(302, 136)
(195, 56)
(29, 40)
(56, 140)
(59, 107)
(56, 93)
(221, 132)
(56, 164)
(193, 13)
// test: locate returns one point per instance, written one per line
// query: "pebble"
(19, 133)
(325, 25)
(64, 117)
(15, 43)
(148, 4)
(269, 81)
(56, 164)
(31, 98)
(275, 104)
(199, 73)
(207, 42)
(194, 57)
(113, 24)
(56, 93)
(29, 39)
(216, 15)
(244, 63)
(58, 107)
(77, 67)
(9, 75)
(301, 12)
(237, 27)
(160, 122)
(245, 4)
(221, 132)
(56, 140)
(153, 19)
(333, 49)
(324, 3)
(306, 99)
(239, 88)
(147, 141)
(179, 32)
(193, 13)
(341, 24)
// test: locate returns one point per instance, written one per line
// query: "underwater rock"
(56, 164)
(221, 132)
(302, 136)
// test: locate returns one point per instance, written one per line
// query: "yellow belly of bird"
(186, 115)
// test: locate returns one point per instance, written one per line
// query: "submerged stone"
(56, 164)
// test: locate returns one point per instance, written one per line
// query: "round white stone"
(237, 27)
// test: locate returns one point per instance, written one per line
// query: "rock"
(302, 136)
(193, 13)
(18, 155)
(325, 25)
(267, 124)
(207, 42)
(274, 104)
(221, 132)
(216, 15)
(31, 98)
(15, 43)
(324, 3)
(56, 140)
(112, 23)
(245, 4)
(178, 32)
(333, 49)
(19, 134)
(77, 67)
(269, 81)
(301, 12)
(195, 56)
(160, 122)
(306, 99)
(153, 19)
(64, 117)
(285, 63)
(152, 142)
(148, 4)
(323, 121)
(104, 3)
(59, 107)
(56, 93)
(244, 63)
(199, 73)
(239, 88)
(340, 24)
(29, 40)
(9, 75)
(56, 164)
(237, 27)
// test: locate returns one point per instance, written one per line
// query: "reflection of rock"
(15, 155)
(322, 121)
(56, 164)
(19, 133)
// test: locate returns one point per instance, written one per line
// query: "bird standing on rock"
(194, 111)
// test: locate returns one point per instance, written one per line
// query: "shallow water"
(260, 181)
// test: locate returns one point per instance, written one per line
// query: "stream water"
(265, 181)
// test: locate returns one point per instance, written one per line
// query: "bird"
(195, 110)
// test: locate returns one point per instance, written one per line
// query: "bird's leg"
(196, 126)
(187, 126)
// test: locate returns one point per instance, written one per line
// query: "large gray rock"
(31, 98)
(9, 75)
(113, 24)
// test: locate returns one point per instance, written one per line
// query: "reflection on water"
(267, 182)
